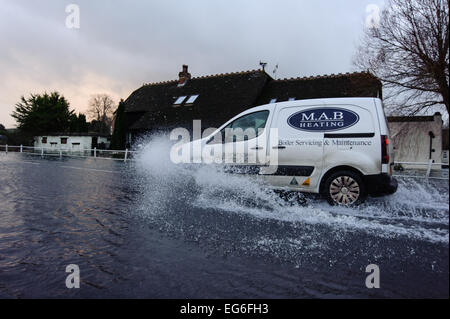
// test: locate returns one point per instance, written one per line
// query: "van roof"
(322, 101)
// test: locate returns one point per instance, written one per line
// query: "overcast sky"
(122, 44)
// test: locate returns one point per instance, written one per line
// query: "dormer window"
(179, 100)
(192, 99)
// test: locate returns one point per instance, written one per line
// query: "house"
(214, 99)
(417, 139)
(76, 142)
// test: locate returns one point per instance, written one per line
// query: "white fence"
(125, 155)
(426, 165)
(117, 155)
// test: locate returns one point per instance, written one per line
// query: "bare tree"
(101, 108)
(409, 51)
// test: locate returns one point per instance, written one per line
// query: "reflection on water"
(149, 229)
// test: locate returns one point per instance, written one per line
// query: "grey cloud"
(131, 42)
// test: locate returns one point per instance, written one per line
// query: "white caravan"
(338, 147)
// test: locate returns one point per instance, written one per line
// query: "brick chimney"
(183, 76)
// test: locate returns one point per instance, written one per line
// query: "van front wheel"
(345, 188)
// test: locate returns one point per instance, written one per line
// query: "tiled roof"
(206, 77)
(84, 134)
(358, 84)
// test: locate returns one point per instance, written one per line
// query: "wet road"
(148, 230)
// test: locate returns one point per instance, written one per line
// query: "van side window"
(244, 128)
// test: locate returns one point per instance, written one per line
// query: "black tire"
(345, 188)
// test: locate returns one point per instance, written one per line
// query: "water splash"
(418, 210)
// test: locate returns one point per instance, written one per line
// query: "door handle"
(257, 148)
(279, 147)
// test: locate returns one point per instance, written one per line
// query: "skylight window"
(179, 100)
(192, 99)
(272, 101)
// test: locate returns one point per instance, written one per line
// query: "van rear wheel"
(345, 188)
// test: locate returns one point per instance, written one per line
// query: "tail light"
(384, 149)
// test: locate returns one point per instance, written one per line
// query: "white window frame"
(192, 99)
(180, 100)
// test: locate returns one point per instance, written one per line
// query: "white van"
(338, 147)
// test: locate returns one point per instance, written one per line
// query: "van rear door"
(355, 142)
(387, 142)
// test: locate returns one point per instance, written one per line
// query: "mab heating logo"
(323, 119)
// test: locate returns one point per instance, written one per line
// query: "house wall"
(74, 143)
(412, 141)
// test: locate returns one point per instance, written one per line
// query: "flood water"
(147, 229)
